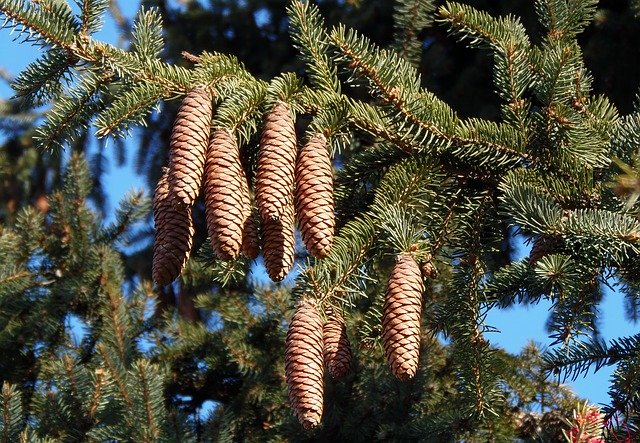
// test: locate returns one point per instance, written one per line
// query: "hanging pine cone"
(174, 236)
(314, 196)
(188, 147)
(427, 268)
(276, 160)
(401, 317)
(278, 244)
(251, 237)
(227, 204)
(303, 364)
(541, 246)
(336, 349)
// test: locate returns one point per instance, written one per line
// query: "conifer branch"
(241, 112)
(407, 100)
(310, 38)
(409, 18)
(11, 420)
(70, 113)
(131, 107)
(153, 433)
(92, 15)
(42, 80)
(507, 39)
(49, 24)
(373, 120)
(115, 373)
(353, 48)
(571, 361)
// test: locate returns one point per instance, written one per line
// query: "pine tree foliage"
(415, 178)
(62, 269)
(11, 422)
(409, 19)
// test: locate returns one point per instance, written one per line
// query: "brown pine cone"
(278, 244)
(251, 238)
(336, 349)
(174, 236)
(188, 147)
(401, 317)
(542, 246)
(303, 364)
(276, 160)
(428, 269)
(314, 196)
(227, 204)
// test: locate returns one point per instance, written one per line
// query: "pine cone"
(337, 349)
(303, 364)
(278, 244)
(227, 204)
(251, 238)
(276, 160)
(314, 196)
(428, 269)
(401, 317)
(541, 246)
(174, 236)
(188, 147)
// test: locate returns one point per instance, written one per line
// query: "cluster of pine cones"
(288, 185)
(310, 345)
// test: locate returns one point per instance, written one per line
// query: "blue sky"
(517, 325)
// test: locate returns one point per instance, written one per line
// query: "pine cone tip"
(310, 419)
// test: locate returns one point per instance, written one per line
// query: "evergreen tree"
(425, 199)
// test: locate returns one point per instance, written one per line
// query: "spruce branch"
(310, 38)
(241, 112)
(475, 359)
(409, 18)
(149, 410)
(44, 23)
(559, 64)
(564, 19)
(508, 40)
(146, 34)
(68, 118)
(43, 80)
(429, 121)
(335, 272)
(374, 120)
(131, 107)
(92, 15)
(391, 78)
(483, 30)
(364, 169)
(131, 209)
(11, 420)
(572, 361)
(115, 371)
